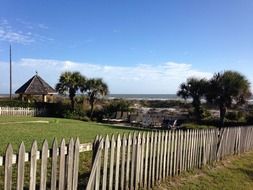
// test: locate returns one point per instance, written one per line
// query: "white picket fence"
(8, 111)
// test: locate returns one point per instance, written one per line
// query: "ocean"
(152, 97)
(144, 96)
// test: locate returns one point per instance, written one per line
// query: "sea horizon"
(162, 97)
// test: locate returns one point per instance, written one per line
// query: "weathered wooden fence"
(22, 111)
(140, 161)
(63, 162)
(133, 161)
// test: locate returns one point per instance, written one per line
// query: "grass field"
(234, 173)
(17, 129)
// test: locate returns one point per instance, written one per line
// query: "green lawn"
(234, 173)
(14, 132)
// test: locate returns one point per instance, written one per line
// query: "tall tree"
(226, 88)
(70, 83)
(94, 88)
(194, 88)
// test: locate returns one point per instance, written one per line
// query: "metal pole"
(10, 75)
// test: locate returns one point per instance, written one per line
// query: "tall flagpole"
(10, 75)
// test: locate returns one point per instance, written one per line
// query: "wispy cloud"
(115, 30)
(30, 25)
(161, 78)
(42, 26)
(24, 34)
(7, 33)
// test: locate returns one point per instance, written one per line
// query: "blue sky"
(135, 46)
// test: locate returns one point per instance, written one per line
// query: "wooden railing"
(140, 161)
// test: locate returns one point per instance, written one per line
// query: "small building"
(35, 86)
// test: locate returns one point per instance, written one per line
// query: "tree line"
(222, 90)
(72, 82)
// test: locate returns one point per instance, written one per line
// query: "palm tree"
(227, 88)
(194, 88)
(94, 88)
(70, 82)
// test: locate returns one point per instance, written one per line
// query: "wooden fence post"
(118, 146)
(69, 168)
(62, 166)
(111, 163)
(158, 156)
(123, 162)
(150, 176)
(165, 158)
(154, 156)
(75, 164)
(105, 168)
(129, 142)
(147, 157)
(21, 167)
(8, 168)
(33, 166)
(43, 171)
(133, 162)
(54, 165)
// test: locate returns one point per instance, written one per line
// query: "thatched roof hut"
(36, 86)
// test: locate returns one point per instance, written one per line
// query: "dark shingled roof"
(36, 86)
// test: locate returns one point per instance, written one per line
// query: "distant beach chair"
(173, 126)
(118, 115)
(113, 116)
(124, 116)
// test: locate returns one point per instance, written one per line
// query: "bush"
(15, 103)
(54, 109)
(195, 126)
(114, 106)
(249, 118)
(238, 116)
(69, 114)
(164, 103)
(206, 114)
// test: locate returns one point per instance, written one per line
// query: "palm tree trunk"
(197, 114)
(72, 103)
(197, 110)
(222, 115)
(91, 109)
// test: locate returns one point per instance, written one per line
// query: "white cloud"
(42, 26)
(7, 33)
(161, 78)
(25, 36)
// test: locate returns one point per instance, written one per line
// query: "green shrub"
(15, 103)
(164, 103)
(238, 116)
(114, 106)
(206, 114)
(249, 118)
(195, 126)
(69, 114)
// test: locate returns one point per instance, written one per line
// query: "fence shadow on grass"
(248, 172)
